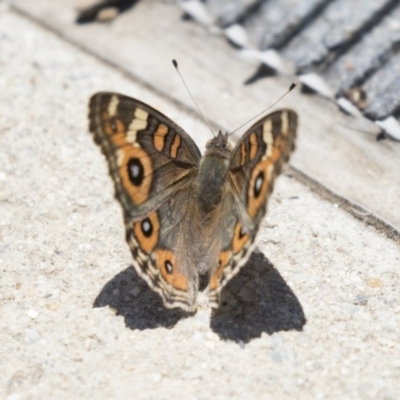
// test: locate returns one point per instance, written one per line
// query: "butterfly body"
(212, 178)
(189, 219)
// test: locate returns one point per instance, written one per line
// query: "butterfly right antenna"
(291, 87)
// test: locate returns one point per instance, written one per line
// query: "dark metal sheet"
(273, 23)
(383, 90)
(340, 25)
(365, 58)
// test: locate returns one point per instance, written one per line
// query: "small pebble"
(32, 313)
(360, 300)
(52, 306)
(374, 283)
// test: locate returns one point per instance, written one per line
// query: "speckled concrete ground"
(315, 314)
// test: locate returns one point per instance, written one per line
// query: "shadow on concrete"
(142, 308)
(256, 300)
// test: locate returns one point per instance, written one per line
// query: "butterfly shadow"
(256, 300)
(142, 308)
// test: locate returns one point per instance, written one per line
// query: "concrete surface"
(319, 319)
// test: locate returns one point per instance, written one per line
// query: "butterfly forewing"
(143, 147)
(258, 157)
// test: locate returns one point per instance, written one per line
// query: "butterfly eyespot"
(147, 227)
(167, 263)
(258, 184)
(135, 171)
(146, 231)
(168, 267)
(242, 232)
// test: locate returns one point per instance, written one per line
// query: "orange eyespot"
(136, 172)
(168, 267)
(146, 232)
(258, 186)
(166, 262)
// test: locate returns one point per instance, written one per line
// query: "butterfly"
(191, 220)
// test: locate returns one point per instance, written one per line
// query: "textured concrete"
(315, 314)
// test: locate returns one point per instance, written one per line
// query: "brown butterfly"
(189, 218)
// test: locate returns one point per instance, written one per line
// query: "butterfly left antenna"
(175, 64)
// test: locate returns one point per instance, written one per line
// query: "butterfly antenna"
(175, 64)
(291, 87)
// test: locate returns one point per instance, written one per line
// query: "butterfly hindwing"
(167, 267)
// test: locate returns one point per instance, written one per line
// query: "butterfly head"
(219, 145)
